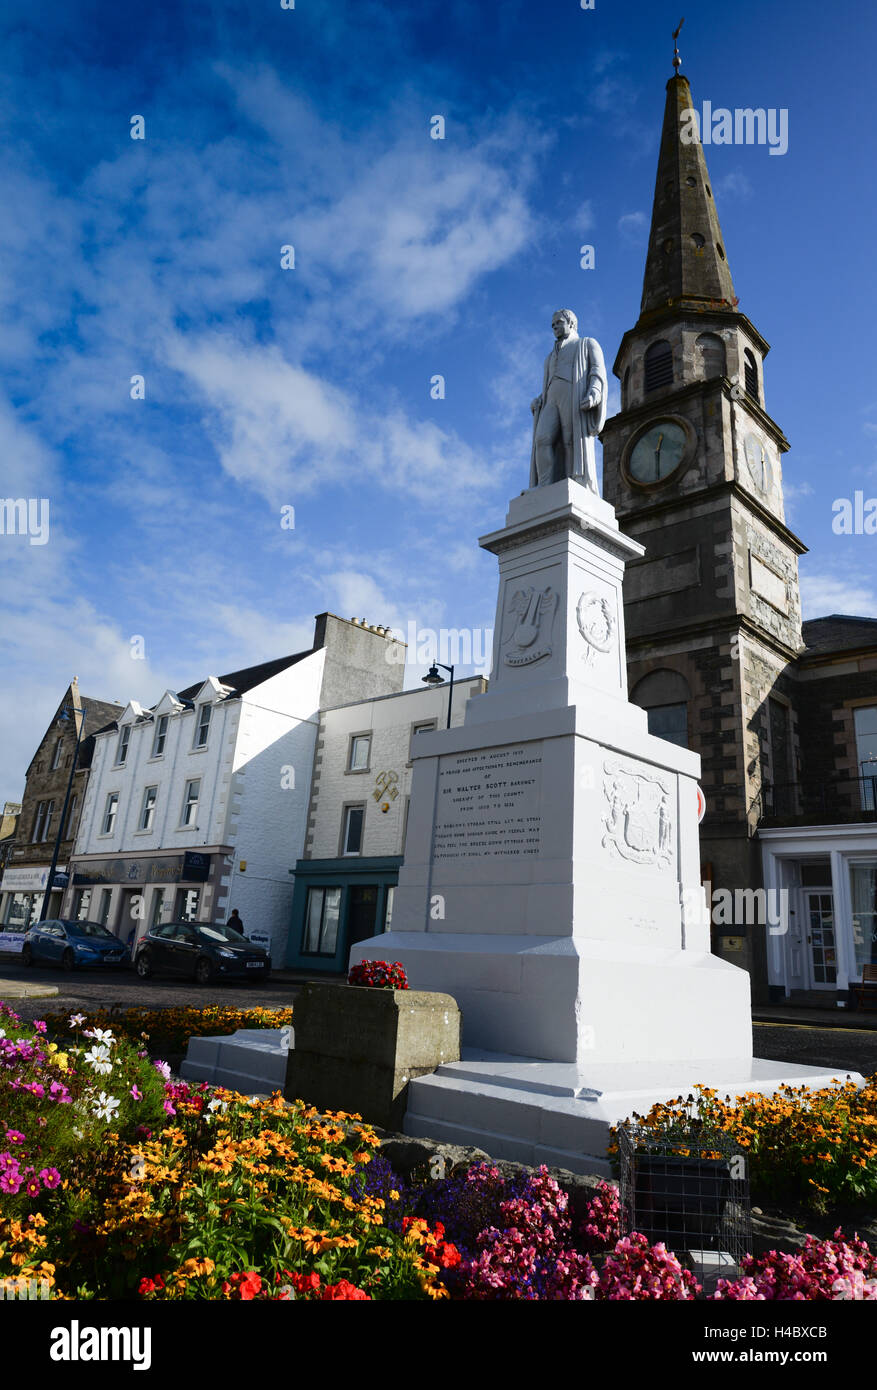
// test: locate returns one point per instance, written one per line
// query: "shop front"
(825, 879)
(129, 894)
(22, 890)
(335, 905)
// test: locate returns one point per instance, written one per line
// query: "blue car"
(61, 941)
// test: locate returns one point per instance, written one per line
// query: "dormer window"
(160, 738)
(203, 727)
(122, 746)
(658, 365)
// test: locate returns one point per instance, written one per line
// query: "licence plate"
(255, 965)
(113, 955)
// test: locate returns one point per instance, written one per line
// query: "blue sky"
(310, 387)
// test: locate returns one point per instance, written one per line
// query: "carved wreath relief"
(596, 622)
(531, 612)
(638, 822)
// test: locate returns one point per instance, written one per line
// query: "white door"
(821, 942)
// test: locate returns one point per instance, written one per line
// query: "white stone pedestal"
(551, 881)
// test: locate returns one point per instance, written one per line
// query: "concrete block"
(358, 1048)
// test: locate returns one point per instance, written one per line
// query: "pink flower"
(15, 1136)
(50, 1177)
(138, 1095)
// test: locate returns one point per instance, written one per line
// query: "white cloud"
(823, 594)
(632, 227)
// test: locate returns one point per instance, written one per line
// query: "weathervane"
(677, 61)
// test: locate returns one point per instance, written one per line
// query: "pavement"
(24, 989)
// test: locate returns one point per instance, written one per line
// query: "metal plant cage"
(687, 1187)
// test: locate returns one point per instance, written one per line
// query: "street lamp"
(432, 677)
(64, 717)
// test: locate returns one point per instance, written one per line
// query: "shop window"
(863, 886)
(322, 915)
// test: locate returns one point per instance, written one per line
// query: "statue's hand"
(535, 404)
(588, 403)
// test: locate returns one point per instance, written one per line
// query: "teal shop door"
(361, 914)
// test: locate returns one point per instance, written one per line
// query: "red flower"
(248, 1285)
(343, 1290)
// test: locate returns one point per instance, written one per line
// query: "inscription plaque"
(489, 804)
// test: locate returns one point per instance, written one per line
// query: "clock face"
(658, 452)
(758, 462)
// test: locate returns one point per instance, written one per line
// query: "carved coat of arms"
(637, 821)
(529, 624)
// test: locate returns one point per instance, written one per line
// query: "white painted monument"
(551, 881)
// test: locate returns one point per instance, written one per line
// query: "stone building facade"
(29, 859)
(198, 804)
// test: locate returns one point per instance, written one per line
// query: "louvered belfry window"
(750, 375)
(658, 365)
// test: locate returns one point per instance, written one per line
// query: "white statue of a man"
(571, 411)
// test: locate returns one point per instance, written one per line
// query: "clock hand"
(658, 457)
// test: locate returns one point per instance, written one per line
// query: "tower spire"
(686, 266)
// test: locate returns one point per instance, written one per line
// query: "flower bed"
(117, 1182)
(170, 1029)
(816, 1148)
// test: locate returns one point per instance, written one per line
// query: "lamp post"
(432, 677)
(63, 718)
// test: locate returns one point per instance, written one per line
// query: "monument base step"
(555, 1113)
(252, 1060)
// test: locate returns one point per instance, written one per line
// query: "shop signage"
(173, 868)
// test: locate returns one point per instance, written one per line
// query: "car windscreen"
(89, 929)
(218, 931)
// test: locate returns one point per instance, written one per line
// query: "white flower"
(218, 1105)
(100, 1035)
(77, 1133)
(105, 1106)
(164, 1070)
(2, 1032)
(98, 1058)
(76, 1019)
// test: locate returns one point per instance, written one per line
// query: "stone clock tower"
(692, 466)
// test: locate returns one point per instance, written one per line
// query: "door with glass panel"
(821, 940)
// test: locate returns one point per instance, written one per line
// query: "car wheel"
(203, 970)
(27, 955)
(143, 965)
(68, 960)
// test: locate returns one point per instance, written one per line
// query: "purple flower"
(40, 1026)
(14, 1136)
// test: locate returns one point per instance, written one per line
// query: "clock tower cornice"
(676, 503)
(707, 314)
(665, 405)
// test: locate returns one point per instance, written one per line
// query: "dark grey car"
(205, 951)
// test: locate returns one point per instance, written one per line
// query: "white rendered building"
(198, 805)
